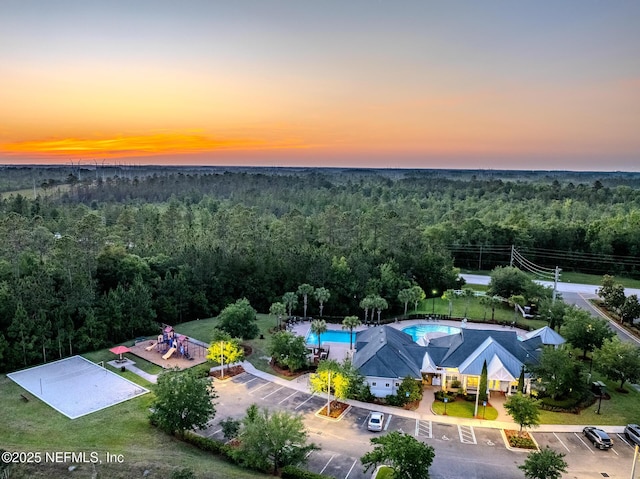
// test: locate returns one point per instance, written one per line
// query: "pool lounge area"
(416, 331)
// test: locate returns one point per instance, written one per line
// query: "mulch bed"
(337, 409)
(520, 440)
(228, 373)
(287, 372)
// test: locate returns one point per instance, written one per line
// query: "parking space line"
(351, 469)
(366, 419)
(308, 454)
(258, 388)
(622, 438)
(327, 464)
(386, 426)
(250, 380)
(213, 433)
(615, 451)
(265, 397)
(309, 399)
(585, 444)
(425, 428)
(462, 432)
(560, 441)
(292, 394)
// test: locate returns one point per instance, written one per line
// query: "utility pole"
(329, 395)
(511, 261)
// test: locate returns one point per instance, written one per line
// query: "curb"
(519, 449)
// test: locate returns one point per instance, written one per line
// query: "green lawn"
(202, 330)
(465, 409)
(621, 409)
(385, 472)
(572, 277)
(106, 355)
(120, 429)
(475, 311)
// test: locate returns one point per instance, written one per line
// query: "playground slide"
(151, 346)
(169, 353)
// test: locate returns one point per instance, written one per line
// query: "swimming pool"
(419, 330)
(416, 332)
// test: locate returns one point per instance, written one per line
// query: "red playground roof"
(120, 350)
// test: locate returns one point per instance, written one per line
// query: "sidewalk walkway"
(423, 413)
(152, 378)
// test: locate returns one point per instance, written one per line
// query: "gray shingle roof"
(383, 351)
(472, 346)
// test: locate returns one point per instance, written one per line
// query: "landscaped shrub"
(573, 404)
(440, 395)
(521, 442)
(291, 472)
(210, 445)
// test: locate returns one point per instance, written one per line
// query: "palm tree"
(448, 295)
(305, 290)
(278, 310)
(322, 295)
(350, 322)
(492, 302)
(318, 326)
(379, 303)
(404, 296)
(468, 294)
(366, 304)
(290, 299)
(417, 295)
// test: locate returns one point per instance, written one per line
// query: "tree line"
(112, 255)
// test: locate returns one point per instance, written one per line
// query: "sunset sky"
(377, 83)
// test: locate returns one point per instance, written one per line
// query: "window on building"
(386, 385)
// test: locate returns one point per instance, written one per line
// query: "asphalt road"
(462, 451)
(577, 294)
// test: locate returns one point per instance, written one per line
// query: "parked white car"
(376, 421)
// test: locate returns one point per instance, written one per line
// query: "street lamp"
(433, 300)
(484, 410)
(599, 401)
(446, 400)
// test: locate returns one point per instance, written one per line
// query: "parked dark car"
(598, 437)
(632, 431)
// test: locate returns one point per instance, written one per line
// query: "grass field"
(475, 311)
(572, 277)
(203, 330)
(121, 429)
(621, 409)
(465, 409)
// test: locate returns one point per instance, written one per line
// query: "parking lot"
(461, 450)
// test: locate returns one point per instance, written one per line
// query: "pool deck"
(340, 351)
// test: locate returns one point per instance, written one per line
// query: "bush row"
(291, 472)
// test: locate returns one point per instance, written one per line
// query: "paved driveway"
(462, 450)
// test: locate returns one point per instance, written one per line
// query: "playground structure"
(169, 343)
(170, 350)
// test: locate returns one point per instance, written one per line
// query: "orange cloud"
(141, 145)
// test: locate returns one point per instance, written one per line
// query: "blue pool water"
(416, 332)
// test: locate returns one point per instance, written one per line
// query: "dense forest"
(92, 256)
